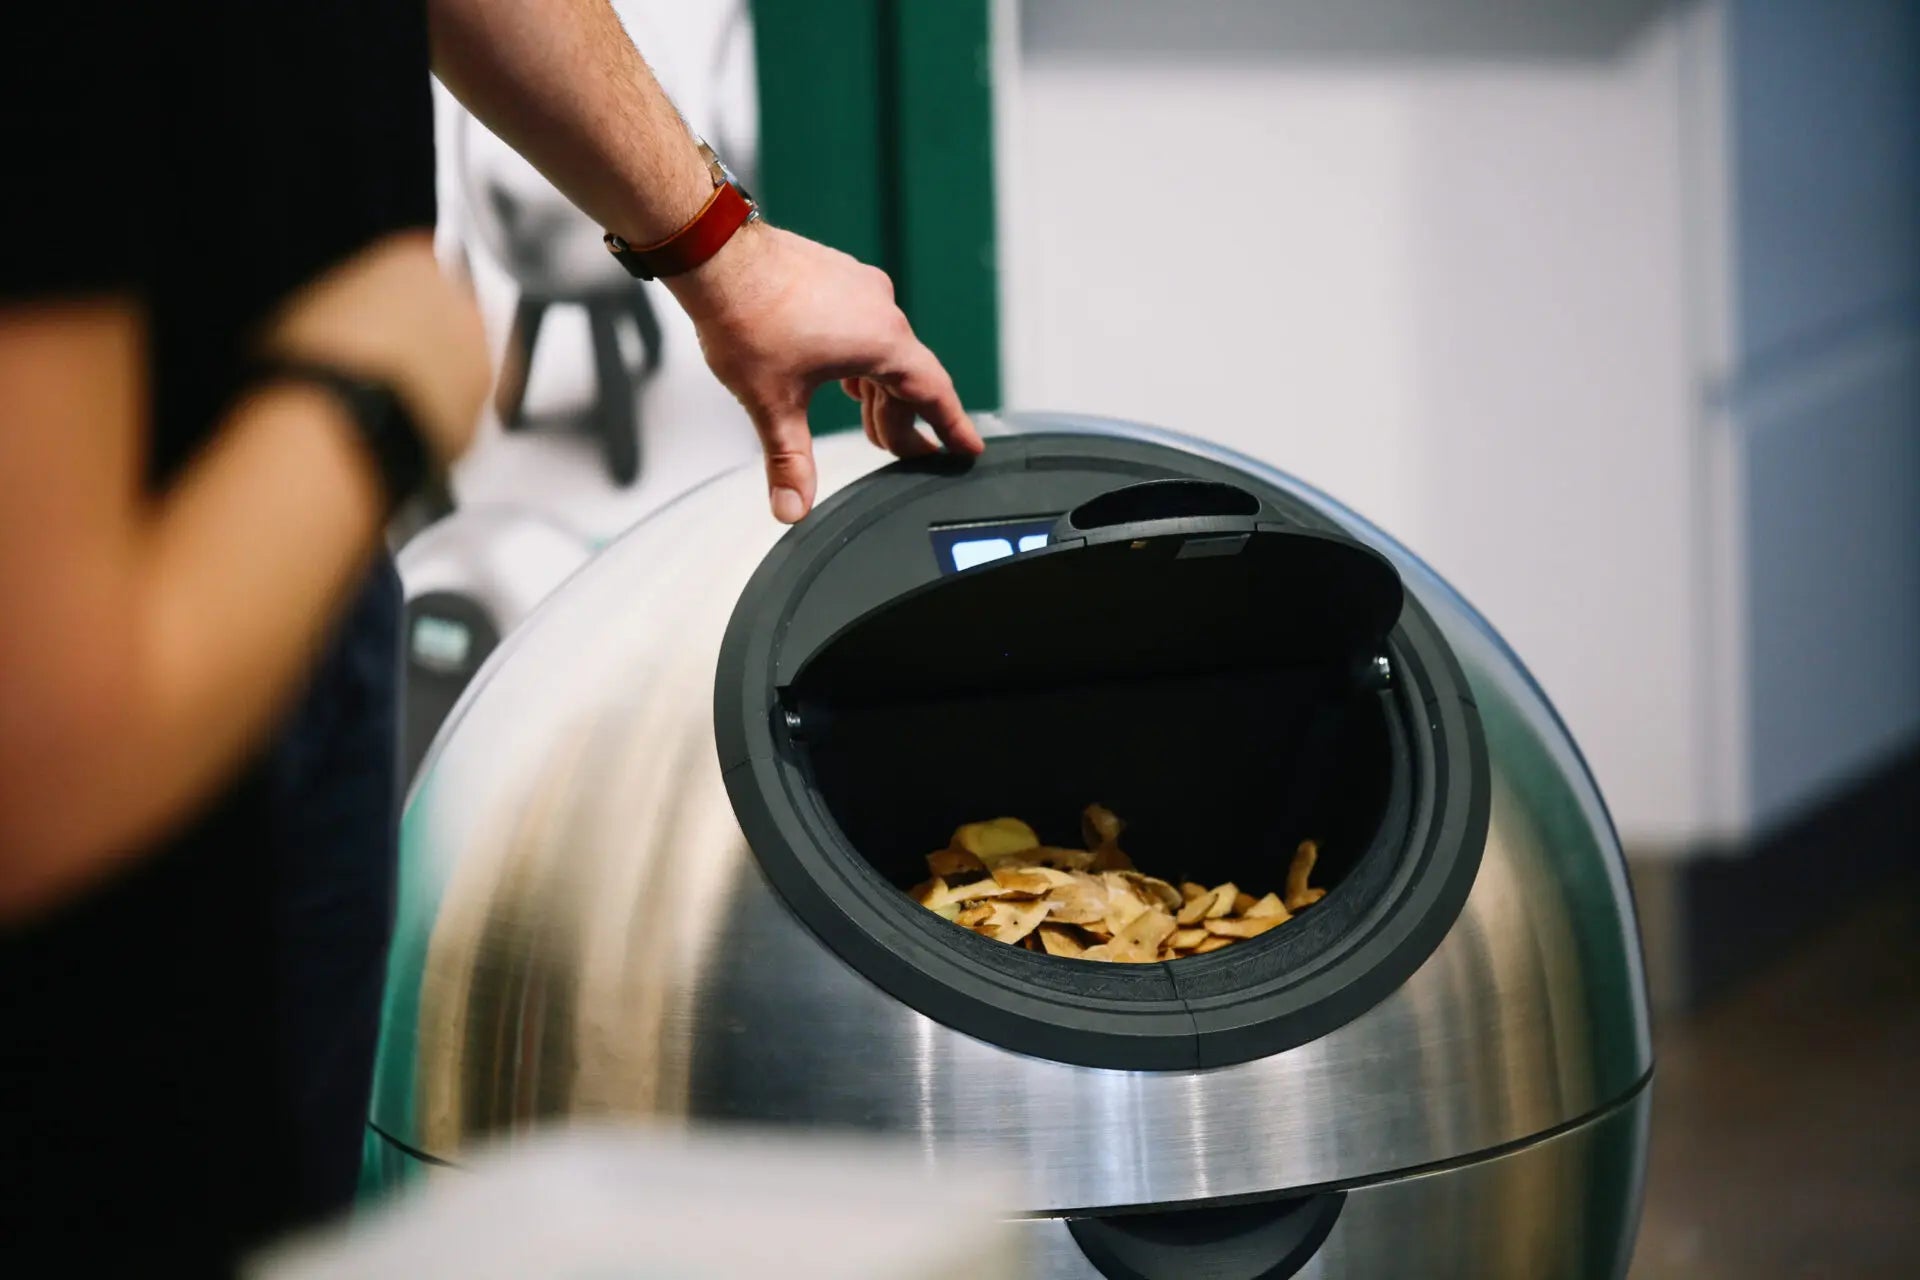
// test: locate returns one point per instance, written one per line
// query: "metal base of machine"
(1566, 1208)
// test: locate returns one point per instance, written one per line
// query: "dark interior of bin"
(1218, 777)
(1215, 703)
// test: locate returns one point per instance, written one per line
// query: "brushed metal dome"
(584, 931)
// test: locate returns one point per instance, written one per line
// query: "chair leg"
(509, 396)
(614, 414)
(648, 323)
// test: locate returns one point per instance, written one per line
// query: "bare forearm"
(777, 314)
(249, 566)
(203, 623)
(562, 84)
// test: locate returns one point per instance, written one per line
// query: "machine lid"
(864, 689)
(1145, 580)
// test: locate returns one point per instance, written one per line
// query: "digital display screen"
(441, 643)
(960, 547)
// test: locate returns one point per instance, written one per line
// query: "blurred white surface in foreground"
(646, 1205)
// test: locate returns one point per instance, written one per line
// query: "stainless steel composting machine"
(654, 867)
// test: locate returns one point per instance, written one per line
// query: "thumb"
(788, 446)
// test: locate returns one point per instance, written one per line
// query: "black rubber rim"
(1273, 993)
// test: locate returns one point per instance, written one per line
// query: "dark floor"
(1786, 1121)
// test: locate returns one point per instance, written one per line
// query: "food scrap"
(998, 880)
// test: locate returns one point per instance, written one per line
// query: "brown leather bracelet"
(727, 210)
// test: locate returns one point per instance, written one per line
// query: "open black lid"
(1189, 636)
(1148, 579)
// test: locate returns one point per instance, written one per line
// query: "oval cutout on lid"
(1162, 500)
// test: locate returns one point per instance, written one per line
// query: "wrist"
(729, 281)
(667, 207)
(726, 211)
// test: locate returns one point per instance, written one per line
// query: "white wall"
(1448, 281)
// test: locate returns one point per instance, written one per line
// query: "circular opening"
(1219, 694)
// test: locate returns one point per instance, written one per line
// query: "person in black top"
(226, 350)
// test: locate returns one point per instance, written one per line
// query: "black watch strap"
(378, 413)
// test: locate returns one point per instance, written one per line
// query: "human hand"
(778, 316)
(390, 313)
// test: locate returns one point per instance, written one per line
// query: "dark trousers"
(333, 815)
(186, 1053)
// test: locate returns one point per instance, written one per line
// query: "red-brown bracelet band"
(724, 213)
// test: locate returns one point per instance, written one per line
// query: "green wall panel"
(943, 137)
(876, 137)
(822, 114)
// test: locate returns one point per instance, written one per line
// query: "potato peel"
(1244, 927)
(1012, 921)
(1267, 906)
(1298, 870)
(996, 879)
(1054, 858)
(1100, 827)
(1145, 933)
(1060, 941)
(1084, 902)
(996, 837)
(978, 889)
(1022, 880)
(955, 864)
(1196, 908)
